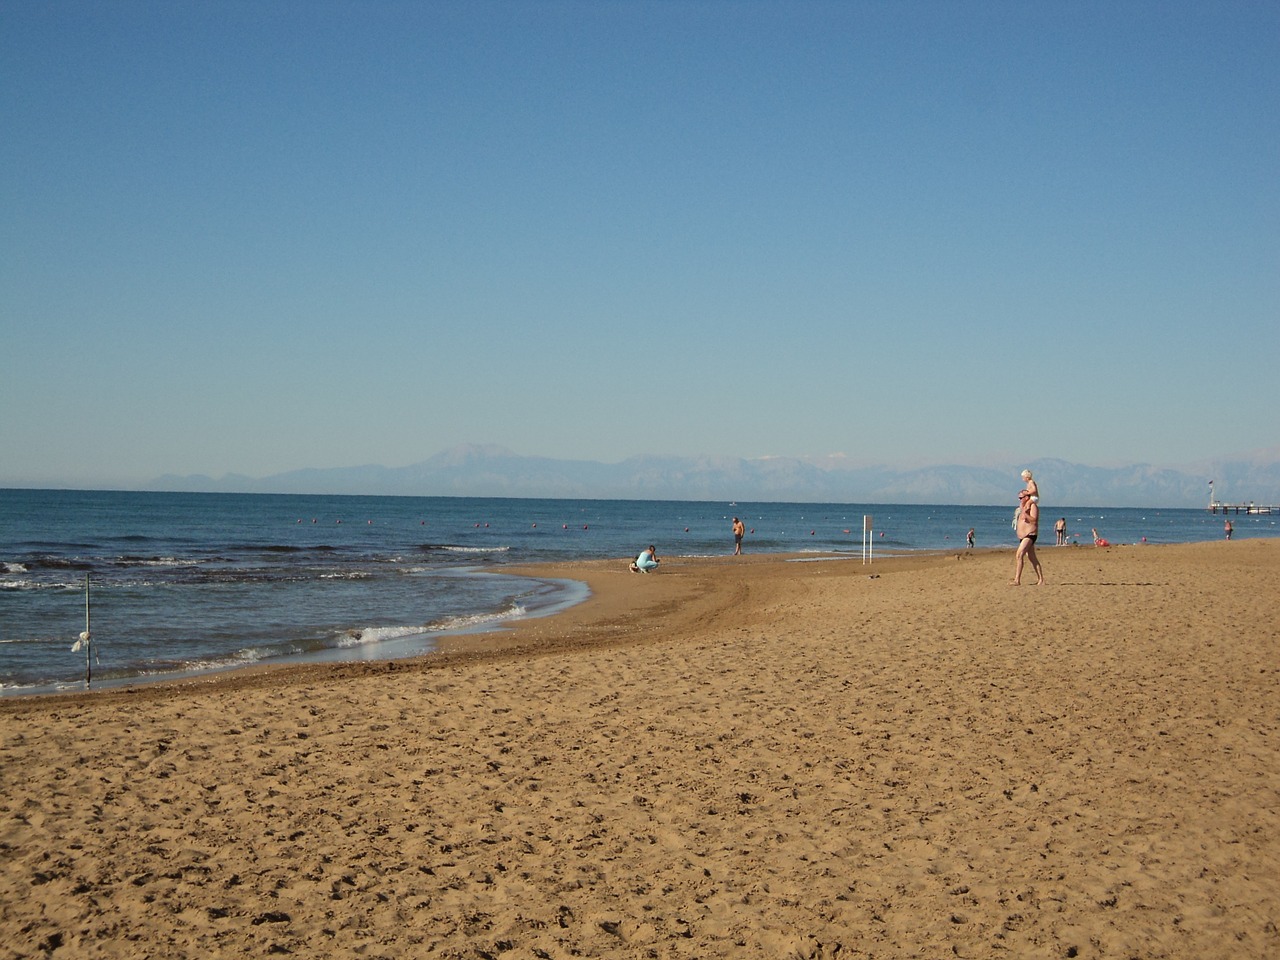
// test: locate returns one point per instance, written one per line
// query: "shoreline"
(733, 757)
(500, 640)
(564, 630)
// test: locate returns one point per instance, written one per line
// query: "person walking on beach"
(1061, 529)
(969, 538)
(1028, 530)
(738, 531)
(1228, 529)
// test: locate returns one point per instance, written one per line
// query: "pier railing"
(1253, 509)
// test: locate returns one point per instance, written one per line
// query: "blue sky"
(257, 236)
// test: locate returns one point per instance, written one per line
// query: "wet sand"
(736, 757)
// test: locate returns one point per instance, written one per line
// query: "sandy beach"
(736, 757)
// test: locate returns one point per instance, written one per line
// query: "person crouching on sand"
(1028, 530)
(648, 560)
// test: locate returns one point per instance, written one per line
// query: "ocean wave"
(59, 563)
(452, 624)
(455, 624)
(458, 548)
(156, 562)
(36, 585)
(356, 638)
(241, 658)
(823, 558)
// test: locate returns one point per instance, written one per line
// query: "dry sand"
(732, 758)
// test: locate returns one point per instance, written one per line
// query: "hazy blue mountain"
(491, 471)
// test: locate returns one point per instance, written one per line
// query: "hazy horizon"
(478, 470)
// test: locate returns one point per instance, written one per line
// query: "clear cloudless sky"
(256, 236)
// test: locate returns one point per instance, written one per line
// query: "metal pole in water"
(88, 667)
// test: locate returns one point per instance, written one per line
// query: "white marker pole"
(88, 667)
(868, 543)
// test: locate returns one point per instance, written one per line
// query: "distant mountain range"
(491, 471)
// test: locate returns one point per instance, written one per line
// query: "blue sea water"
(182, 584)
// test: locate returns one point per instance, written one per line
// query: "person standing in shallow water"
(738, 531)
(1028, 530)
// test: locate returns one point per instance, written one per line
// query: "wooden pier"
(1252, 509)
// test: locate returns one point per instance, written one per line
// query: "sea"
(177, 585)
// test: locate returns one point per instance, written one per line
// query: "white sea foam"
(356, 638)
(450, 624)
(33, 585)
(241, 658)
(459, 624)
(157, 562)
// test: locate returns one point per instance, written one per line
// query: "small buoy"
(753, 529)
(846, 530)
(564, 526)
(486, 526)
(585, 527)
(686, 529)
(811, 533)
(535, 526)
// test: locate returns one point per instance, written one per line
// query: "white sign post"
(867, 541)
